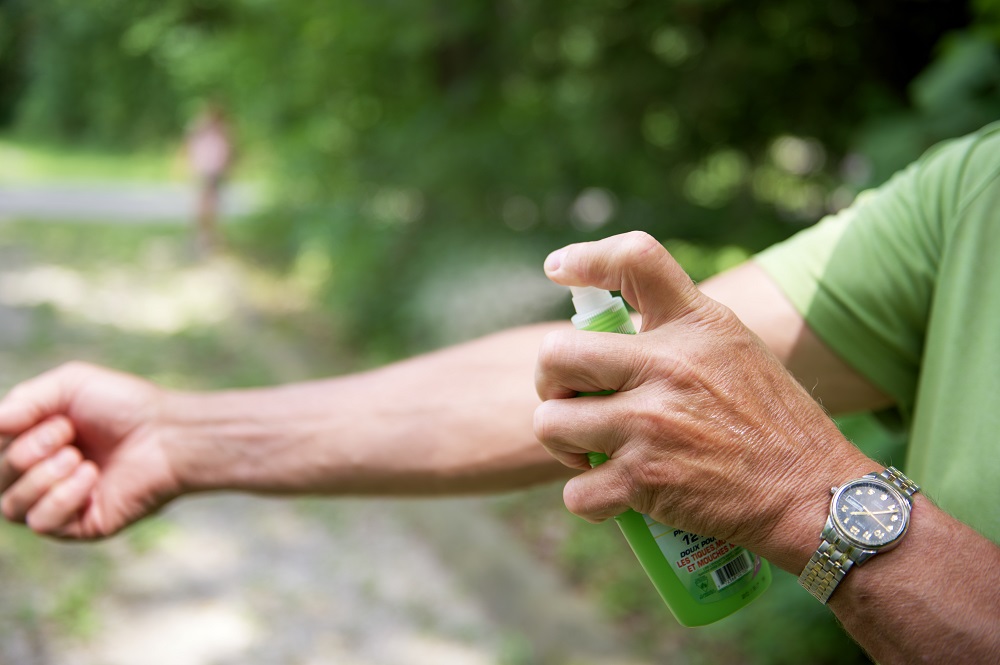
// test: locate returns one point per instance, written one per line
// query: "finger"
(570, 428)
(32, 401)
(62, 505)
(604, 491)
(633, 263)
(571, 362)
(32, 486)
(33, 446)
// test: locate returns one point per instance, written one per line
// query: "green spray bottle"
(701, 579)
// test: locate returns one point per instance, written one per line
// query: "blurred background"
(392, 175)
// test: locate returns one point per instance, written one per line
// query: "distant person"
(209, 149)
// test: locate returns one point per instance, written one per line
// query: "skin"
(709, 432)
(702, 403)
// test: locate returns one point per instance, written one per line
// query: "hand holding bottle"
(706, 430)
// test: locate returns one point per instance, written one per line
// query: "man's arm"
(762, 307)
(87, 451)
(933, 599)
(708, 432)
(457, 420)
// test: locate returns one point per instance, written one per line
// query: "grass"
(27, 162)
(45, 583)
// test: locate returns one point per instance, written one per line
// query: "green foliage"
(81, 81)
(393, 129)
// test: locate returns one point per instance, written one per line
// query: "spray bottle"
(701, 579)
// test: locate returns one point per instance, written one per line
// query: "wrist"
(267, 440)
(215, 440)
(831, 460)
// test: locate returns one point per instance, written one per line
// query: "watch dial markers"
(869, 514)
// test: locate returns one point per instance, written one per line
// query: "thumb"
(633, 263)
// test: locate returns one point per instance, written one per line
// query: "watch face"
(870, 513)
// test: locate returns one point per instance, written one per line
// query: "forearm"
(454, 421)
(933, 599)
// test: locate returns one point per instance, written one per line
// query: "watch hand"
(877, 512)
(876, 519)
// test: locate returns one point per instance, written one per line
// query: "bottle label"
(710, 569)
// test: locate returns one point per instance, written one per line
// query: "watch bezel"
(904, 509)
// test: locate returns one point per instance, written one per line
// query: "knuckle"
(576, 499)
(57, 429)
(633, 485)
(74, 367)
(554, 358)
(77, 456)
(551, 351)
(645, 419)
(18, 391)
(16, 459)
(543, 422)
(38, 524)
(8, 508)
(677, 370)
(538, 422)
(640, 243)
(37, 445)
(59, 502)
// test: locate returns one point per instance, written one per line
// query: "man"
(887, 304)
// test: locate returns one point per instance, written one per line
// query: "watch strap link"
(895, 477)
(825, 570)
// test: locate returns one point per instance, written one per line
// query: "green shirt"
(905, 286)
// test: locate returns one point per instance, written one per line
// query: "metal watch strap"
(895, 477)
(829, 564)
(825, 569)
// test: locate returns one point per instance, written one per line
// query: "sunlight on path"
(238, 580)
(152, 302)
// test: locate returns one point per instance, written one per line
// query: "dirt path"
(228, 579)
(236, 580)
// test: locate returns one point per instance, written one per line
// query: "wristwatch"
(868, 515)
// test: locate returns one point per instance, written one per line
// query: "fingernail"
(554, 260)
(64, 460)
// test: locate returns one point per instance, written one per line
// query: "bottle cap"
(588, 299)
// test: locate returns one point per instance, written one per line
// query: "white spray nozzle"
(588, 299)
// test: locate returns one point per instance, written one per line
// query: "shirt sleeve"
(863, 279)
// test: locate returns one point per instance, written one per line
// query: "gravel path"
(115, 202)
(237, 580)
